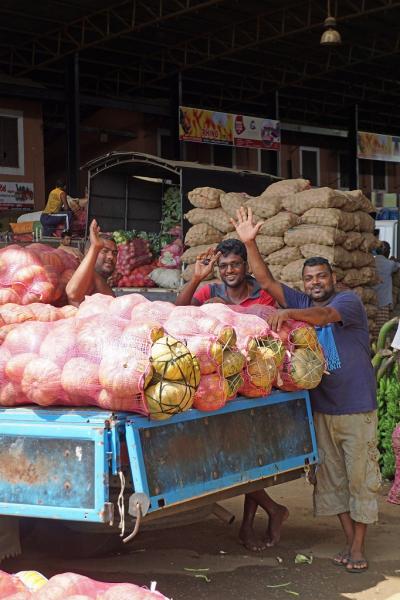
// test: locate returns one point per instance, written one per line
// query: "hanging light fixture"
(331, 36)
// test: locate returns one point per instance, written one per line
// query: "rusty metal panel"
(55, 462)
(47, 472)
(198, 453)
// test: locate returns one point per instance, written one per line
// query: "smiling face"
(319, 282)
(107, 259)
(232, 269)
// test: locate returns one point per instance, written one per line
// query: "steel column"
(352, 148)
(72, 108)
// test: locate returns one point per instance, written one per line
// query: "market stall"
(146, 196)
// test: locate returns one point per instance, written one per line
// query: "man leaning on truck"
(236, 287)
(344, 403)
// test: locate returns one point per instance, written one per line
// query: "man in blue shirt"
(385, 269)
(344, 403)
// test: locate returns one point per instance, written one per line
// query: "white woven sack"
(364, 222)
(362, 202)
(284, 256)
(340, 273)
(353, 240)
(336, 255)
(215, 217)
(232, 201)
(264, 207)
(331, 217)
(371, 310)
(268, 244)
(166, 278)
(307, 234)
(368, 242)
(279, 224)
(190, 255)
(293, 271)
(367, 294)
(202, 234)
(363, 276)
(205, 197)
(362, 259)
(276, 270)
(286, 187)
(315, 198)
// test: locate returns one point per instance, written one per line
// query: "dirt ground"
(204, 560)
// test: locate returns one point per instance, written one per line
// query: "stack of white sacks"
(299, 222)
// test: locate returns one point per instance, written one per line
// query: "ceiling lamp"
(331, 36)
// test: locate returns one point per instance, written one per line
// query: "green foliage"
(171, 209)
(388, 397)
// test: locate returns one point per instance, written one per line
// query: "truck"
(120, 470)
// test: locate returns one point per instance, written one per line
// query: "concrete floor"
(166, 555)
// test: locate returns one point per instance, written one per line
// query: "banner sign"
(206, 126)
(197, 125)
(253, 132)
(16, 195)
(376, 146)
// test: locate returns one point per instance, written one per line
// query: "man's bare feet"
(341, 558)
(275, 522)
(250, 540)
(356, 563)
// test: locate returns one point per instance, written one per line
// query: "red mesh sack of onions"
(35, 273)
(263, 349)
(72, 586)
(98, 358)
(213, 342)
(303, 362)
(210, 340)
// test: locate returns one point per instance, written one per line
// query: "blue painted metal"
(197, 453)
(55, 463)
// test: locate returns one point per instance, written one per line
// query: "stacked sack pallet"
(299, 222)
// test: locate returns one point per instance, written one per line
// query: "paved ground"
(235, 574)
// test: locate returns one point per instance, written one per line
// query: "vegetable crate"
(57, 463)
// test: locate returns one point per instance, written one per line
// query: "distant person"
(56, 211)
(97, 266)
(376, 234)
(65, 245)
(384, 289)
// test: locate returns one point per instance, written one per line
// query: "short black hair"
(314, 261)
(66, 233)
(232, 246)
(384, 249)
(60, 183)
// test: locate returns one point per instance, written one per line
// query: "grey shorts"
(348, 477)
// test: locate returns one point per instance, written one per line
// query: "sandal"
(357, 566)
(341, 559)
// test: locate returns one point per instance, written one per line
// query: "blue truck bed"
(63, 463)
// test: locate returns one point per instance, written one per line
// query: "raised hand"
(204, 264)
(244, 225)
(95, 239)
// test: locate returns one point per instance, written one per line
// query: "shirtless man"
(96, 267)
